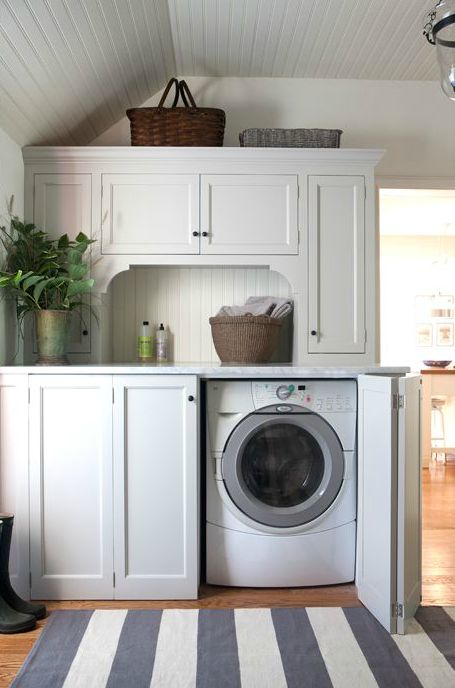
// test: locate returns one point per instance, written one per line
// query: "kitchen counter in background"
(210, 370)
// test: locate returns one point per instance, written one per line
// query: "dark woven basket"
(177, 126)
(245, 338)
(290, 138)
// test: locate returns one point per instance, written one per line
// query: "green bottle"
(144, 343)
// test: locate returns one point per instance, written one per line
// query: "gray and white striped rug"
(317, 647)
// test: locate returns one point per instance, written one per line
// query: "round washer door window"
(283, 470)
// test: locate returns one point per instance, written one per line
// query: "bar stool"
(438, 435)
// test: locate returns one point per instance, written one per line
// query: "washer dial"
(283, 392)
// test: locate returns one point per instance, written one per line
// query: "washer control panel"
(316, 395)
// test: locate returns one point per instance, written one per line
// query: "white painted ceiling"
(70, 68)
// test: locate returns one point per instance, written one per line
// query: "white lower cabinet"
(14, 473)
(155, 487)
(71, 534)
(389, 522)
(113, 487)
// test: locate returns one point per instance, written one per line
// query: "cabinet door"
(155, 487)
(388, 575)
(249, 214)
(150, 213)
(63, 204)
(71, 486)
(336, 264)
(14, 474)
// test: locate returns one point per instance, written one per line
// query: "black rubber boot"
(12, 621)
(7, 594)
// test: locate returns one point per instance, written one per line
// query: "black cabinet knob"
(205, 233)
(313, 332)
(191, 398)
(85, 332)
(195, 233)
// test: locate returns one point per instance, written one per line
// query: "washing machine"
(281, 482)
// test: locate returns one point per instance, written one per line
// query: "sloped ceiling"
(70, 68)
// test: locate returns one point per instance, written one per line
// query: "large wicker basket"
(245, 338)
(290, 138)
(177, 126)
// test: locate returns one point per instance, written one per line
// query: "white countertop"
(210, 370)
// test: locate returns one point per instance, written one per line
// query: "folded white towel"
(275, 307)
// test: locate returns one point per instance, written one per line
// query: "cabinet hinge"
(397, 610)
(113, 395)
(113, 579)
(30, 579)
(398, 401)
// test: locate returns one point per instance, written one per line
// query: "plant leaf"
(80, 287)
(77, 272)
(30, 281)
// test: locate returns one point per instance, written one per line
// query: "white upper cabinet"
(336, 264)
(238, 214)
(63, 205)
(150, 213)
(249, 214)
(307, 214)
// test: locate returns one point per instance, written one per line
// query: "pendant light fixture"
(440, 31)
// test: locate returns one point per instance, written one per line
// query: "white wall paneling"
(183, 299)
(93, 60)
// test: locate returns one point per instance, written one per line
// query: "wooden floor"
(438, 537)
(438, 568)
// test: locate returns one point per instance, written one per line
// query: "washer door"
(283, 470)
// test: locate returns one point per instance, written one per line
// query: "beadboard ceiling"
(70, 68)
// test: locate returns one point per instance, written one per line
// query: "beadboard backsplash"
(184, 299)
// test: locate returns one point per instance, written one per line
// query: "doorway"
(417, 295)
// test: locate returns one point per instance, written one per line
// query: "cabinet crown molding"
(96, 154)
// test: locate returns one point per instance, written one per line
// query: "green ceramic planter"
(52, 329)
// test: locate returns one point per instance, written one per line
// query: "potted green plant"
(47, 277)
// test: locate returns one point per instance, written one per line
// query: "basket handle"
(184, 92)
(166, 91)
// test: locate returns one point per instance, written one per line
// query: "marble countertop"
(210, 370)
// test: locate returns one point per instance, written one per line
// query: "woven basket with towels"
(249, 333)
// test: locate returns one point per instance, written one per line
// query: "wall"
(408, 269)
(412, 120)
(184, 299)
(11, 182)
